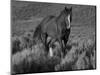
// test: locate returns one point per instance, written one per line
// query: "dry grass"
(32, 59)
(29, 57)
(80, 55)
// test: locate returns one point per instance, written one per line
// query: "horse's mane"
(46, 19)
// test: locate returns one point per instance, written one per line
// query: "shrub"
(21, 42)
(79, 56)
(32, 61)
(31, 57)
(15, 44)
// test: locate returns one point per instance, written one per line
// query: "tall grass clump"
(33, 61)
(22, 42)
(30, 55)
(80, 55)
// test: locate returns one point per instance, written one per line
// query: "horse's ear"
(68, 9)
(70, 14)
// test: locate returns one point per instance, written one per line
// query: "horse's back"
(43, 26)
(46, 20)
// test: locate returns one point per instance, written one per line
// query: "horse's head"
(67, 14)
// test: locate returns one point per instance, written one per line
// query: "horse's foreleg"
(62, 50)
(50, 43)
(63, 43)
(50, 51)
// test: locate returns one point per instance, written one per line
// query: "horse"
(57, 28)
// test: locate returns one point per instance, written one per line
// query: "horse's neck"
(60, 19)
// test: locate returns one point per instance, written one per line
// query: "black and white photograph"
(52, 37)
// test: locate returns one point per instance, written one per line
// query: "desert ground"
(81, 51)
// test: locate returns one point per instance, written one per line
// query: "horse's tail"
(37, 32)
